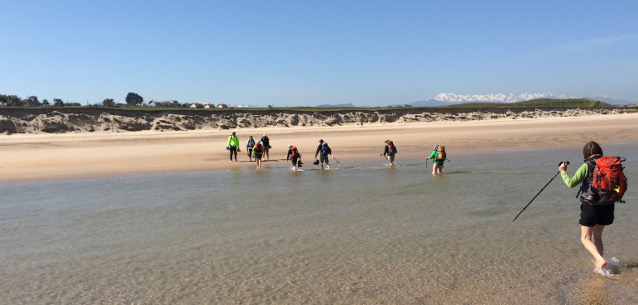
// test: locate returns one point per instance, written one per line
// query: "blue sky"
(288, 53)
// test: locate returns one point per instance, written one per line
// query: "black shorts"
(591, 215)
(294, 161)
(324, 159)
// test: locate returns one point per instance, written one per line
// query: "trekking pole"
(550, 180)
(426, 163)
(333, 157)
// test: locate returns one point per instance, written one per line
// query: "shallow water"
(362, 233)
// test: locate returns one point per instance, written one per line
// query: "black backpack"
(325, 149)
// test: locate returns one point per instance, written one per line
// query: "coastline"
(43, 156)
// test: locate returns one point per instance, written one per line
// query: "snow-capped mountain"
(453, 98)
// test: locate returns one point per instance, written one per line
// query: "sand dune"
(48, 120)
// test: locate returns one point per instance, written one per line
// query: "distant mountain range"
(453, 98)
(348, 105)
(614, 101)
(443, 99)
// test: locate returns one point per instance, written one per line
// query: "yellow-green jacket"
(233, 141)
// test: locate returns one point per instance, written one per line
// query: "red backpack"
(608, 182)
(393, 148)
(294, 152)
(258, 149)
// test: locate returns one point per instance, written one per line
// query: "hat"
(233, 132)
(289, 146)
(320, 140)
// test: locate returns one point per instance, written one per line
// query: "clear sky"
(307, 52)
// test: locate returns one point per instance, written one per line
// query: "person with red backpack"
(295, 156)
(597, 197)
(389, 151)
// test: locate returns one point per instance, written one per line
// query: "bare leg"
(591, 237)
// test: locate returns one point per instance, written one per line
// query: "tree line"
(132, 99)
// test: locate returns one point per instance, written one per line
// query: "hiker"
(438, 157)
(325, 150)
(389, 151)
(258, 151)
(265, 141)
(249, 147)
(295, 156)
(232, 145)
(593, 217)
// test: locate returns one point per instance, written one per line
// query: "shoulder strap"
(591, 164)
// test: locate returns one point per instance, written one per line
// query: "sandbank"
(26, 157)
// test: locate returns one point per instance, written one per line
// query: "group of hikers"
(256, 150)
(602, 182)
(260, 150)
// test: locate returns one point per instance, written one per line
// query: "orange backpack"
(440, 156)
(606, 182)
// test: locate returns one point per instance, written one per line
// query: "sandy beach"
(91, 154)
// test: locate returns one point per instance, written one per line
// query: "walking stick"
(550, 180)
